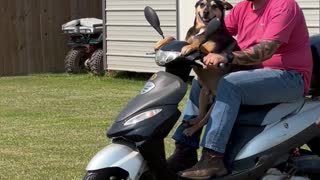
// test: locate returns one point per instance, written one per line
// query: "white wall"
(186, 16)
(129, 37)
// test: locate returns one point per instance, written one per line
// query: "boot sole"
(206, 177)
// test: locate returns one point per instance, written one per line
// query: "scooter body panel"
(162, 92)
(279, 132)
(162, 89)
(118, 155)
(157, 126)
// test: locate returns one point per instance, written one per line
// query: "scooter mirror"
(213, 25)
(153, 19)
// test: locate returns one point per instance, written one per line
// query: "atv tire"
(74, 61)
(96, 63)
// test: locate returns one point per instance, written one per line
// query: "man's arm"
(251, 56)
(256, 54)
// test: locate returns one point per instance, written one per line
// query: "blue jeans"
(253, 87)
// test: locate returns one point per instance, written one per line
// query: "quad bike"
(263, 144)
(86, 40)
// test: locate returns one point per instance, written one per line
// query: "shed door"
(129, 36)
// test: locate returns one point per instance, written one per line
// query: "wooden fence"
(31, 36)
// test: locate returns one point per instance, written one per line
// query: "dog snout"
(206, 12)
(206, 9)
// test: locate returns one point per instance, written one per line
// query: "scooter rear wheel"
(314, 145)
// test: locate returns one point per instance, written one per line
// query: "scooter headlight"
(141, 117)
(164, 57)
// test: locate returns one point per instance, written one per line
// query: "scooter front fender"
(118, 155)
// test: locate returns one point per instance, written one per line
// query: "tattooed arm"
(251, 56)
(256, 54)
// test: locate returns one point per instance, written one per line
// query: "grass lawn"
(51, 125)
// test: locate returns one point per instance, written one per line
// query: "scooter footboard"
(118, 155)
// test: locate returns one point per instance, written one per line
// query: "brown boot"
(210, 165)
(184, 157)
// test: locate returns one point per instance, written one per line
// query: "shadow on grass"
(137, 76)
(129, 75)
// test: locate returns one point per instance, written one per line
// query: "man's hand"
(213, 60)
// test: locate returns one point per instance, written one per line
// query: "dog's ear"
(226, 5)
(198, 3)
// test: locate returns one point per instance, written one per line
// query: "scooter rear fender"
(118, 155)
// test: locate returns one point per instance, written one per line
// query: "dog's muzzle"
(205, 20)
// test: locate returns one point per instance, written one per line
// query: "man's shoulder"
(239, 7)
(283, 3)
(285, 8)
(243, 3)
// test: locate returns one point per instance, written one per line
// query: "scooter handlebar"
(222, 65)
(199, 63)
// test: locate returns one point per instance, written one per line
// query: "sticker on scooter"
(148, 87)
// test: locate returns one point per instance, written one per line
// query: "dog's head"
(206, 10)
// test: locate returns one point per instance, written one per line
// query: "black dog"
(219, 41)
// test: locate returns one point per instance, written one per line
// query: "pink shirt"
(280, 20)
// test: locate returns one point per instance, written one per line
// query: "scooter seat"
(267, 114)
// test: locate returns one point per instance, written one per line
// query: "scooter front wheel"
(148, 175)
(107, 174)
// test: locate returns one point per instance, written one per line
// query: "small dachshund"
(218, 42)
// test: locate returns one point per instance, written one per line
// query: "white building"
(129, 37)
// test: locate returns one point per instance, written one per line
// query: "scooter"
(264, 138)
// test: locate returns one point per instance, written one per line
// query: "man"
(273, 37)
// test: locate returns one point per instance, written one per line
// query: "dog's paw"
(191, 122)
(195, 120)
(189, 131)
(163, 42)
(187, 49)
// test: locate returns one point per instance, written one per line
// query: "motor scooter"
(264, 138)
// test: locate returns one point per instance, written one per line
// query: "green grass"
(52, 125)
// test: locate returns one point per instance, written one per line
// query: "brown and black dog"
(219, 41)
